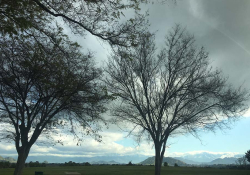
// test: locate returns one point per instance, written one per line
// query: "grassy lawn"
(127, 170)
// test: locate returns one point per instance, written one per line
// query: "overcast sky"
(223, 28)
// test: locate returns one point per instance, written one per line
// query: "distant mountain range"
(116, 158)
(191, 162)
(184, 162)
(202, 158)
(171, 161)
(226, 160)
(105, 162)
(206, 157)
(7, 159)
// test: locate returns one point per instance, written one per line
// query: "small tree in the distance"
(87, 164)
(247, 155)
(165, 164)
(130, 163)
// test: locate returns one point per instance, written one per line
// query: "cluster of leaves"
(20, 15)
(101, 18)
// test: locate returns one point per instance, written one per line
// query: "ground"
(127, 170)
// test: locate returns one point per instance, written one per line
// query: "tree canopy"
(46, 82)
(101, 18)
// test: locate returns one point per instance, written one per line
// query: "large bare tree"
(171, 92)
(46, 82)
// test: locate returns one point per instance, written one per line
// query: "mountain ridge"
(204, 158)
(8, 159)
(226, 160)
(171, 161)
(105, 162)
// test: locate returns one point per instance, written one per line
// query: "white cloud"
(7, 147)
(247, 113)
(90, 147)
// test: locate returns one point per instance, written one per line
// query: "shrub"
(87, 164)
(247, 155)
(165, 164)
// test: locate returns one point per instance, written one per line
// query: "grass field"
(127, 170)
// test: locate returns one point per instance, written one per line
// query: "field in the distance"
(127, 170)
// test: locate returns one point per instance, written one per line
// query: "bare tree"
(173, 92)
(238, 161)
(45, 85)
(244, 160)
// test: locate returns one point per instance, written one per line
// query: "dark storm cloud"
(232, 17)
(221, 26)
(229, 41)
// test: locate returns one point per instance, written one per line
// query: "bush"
(165, 164)
(176, 165)
(87, 164)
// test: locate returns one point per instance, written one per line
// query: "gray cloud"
(221, 26)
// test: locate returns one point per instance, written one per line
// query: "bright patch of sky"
(235, 140)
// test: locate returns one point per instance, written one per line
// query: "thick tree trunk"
(158, 159)
(22, 156)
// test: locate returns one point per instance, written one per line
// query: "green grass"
(127, 170)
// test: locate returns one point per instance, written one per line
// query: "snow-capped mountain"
(205, 156)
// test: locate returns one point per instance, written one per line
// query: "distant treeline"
(36, 164)
(70, 163)
(5, 164)
(232, 166)
(30, 164)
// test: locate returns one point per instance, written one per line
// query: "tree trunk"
(22, 156)
(158, 160)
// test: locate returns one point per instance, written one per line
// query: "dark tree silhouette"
(173, 92)
(165, 164)
(46, 83)
(247, 155)
(101, 18)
